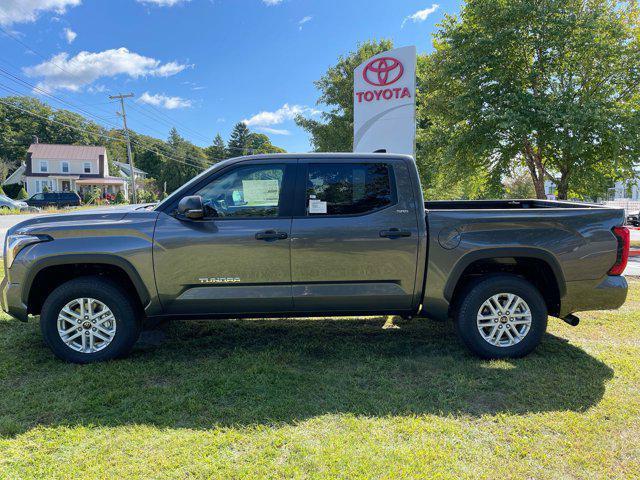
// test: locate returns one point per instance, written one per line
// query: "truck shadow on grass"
(247, 372)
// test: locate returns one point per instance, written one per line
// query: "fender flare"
(494, 253)
(91, 258)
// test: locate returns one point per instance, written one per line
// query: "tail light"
(624, 241)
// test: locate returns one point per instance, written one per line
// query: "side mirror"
(191, 207)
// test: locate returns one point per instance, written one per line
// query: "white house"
(622, 190)
(67, 168)
(125, 171)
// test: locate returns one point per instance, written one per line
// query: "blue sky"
(202, 65)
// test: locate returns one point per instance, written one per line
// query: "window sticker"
(317, 206)
(259, 193)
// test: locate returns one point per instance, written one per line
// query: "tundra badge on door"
(210, 280)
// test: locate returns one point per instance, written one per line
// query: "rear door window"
(348, 188)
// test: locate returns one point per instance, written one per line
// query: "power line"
(141, 112)
(18, 80)
(157, 114)
(114, 139)
(10, 35)
(50, 94)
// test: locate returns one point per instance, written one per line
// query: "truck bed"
(503, 204)
(574, 239)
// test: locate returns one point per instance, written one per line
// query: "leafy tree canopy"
(174, 161)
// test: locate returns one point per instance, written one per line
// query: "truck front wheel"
(501, 316)
(89, 319)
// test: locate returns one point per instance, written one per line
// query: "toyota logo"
(383, 71)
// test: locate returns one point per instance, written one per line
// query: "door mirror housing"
(191, 207)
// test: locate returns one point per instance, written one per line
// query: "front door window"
(246, 192)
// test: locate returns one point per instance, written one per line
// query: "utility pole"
(123, 114)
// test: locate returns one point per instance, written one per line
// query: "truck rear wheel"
(89, 320)
(501, 316)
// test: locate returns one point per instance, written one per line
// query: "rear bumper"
(608, 293)
(12, 300)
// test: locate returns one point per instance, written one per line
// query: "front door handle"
(395, 233)
(270, 235)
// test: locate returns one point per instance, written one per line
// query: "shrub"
(120, 197)
(22, 194)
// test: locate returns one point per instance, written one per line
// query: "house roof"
(16, 177)
(65, 152)
(125, 168)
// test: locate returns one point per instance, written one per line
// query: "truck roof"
(349, 155)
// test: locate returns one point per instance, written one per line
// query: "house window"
(41, 184)
(44, 166)
(87, 167)
(65, 167)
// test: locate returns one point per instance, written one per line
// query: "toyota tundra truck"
(314, 235)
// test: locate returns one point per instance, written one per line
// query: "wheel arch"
(537, 266)
(48, 273)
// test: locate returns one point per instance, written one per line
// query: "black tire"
(128, 324)
(472, 299)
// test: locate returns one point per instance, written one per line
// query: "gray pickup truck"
(310, 235)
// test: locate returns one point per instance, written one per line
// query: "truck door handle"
(395, 233)
(269, 235)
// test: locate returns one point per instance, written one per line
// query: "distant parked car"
(55, 199)
(633, 219)
(7, 203)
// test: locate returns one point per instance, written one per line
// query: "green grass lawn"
(326, 399)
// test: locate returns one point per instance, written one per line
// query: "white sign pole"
(384, 99)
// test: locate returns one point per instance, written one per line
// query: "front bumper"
(608, 293)
(12, 300)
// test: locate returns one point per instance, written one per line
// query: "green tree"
(334, 132)
(239, 140)
(519, 185)
(120, 197)
(185, 162)
(217, 150)
(551, 85)
(260, 143)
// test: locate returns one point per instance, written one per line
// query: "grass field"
(326, 399)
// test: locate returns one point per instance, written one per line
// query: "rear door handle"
(270, 235)
(395, 233)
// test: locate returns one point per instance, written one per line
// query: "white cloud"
(286, 112)
(73, 73)
(163, 3)
(274, 131)
(97, 89)
(304, 20)
(169, 69)
(160, 100)
(18, 11)
(271, 2)
(70, 35)
(421, 15)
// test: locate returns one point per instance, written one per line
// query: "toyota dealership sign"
(384, 99)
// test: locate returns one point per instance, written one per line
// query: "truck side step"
(571, 320)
